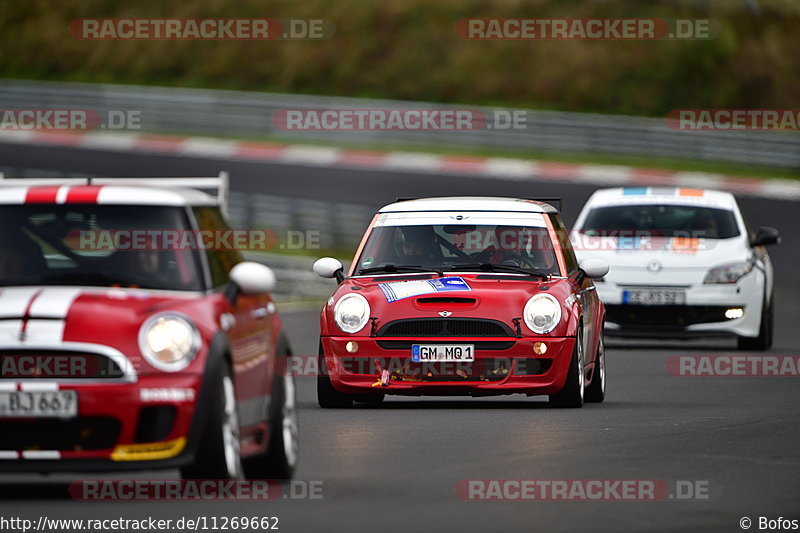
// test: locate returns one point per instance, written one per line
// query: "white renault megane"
(683, 264)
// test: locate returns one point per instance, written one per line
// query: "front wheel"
(572, 393)
(596, 391)
(369, 398)
(280, 460)
(327, 396)
(764, 339)
(218, 454)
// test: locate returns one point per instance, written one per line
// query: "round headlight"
(542, 313)
(351, 312)
(169, 341)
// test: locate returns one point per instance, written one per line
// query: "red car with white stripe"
(463, 296)
(137, 358)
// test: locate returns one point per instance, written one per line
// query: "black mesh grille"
(90, 433)
(445, 327)
(403, 369)
(155, 423)
(56, 364)
(667, 316)
(479, 345)
(532, 367)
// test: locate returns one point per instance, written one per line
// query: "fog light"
(351, 346)
(539, 348)
(734, 312)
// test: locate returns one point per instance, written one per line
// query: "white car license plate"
(446, 353)
(654, 297)
(62, 404)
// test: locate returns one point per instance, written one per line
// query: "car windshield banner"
(405, 289)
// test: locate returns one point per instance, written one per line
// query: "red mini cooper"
(463, 296)
(136, 355)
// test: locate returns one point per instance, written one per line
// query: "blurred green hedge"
(407, 49)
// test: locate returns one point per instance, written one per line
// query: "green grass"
(408, 50)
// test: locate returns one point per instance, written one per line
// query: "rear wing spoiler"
(554, 201)
(218, 187)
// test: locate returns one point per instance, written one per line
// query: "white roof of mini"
(663, 195)
(469, 203)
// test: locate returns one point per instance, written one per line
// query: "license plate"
(654, 297)
(62, 404)
(421, 353)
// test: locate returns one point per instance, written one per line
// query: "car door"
(585, 292)
(250, 334)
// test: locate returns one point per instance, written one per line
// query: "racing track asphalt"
(394, 467)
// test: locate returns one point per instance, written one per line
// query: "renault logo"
(445, 314)
(654, 266)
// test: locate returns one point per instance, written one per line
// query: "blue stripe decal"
(632, 191)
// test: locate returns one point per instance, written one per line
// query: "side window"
(566, 246)
(220, 262)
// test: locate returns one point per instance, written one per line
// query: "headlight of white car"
(169, 341)
(351, 312)
(542, 313)
(730, 273)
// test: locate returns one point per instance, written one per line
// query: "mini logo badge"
(654, 266)
(445, 314)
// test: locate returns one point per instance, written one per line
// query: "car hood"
(486, 296)
(683, 253)
(50, 316)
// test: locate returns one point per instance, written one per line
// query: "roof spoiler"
(552, 200)
(219, 186)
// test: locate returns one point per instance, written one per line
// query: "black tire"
(218, 454)
(280, 459)
(596, 391)
(369, 398)
(572, 394)
(765, 330)
(327, 396)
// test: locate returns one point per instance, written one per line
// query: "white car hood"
(671, 253)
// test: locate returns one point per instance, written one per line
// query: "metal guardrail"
(250, 114)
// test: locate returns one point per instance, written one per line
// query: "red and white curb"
(484, 167)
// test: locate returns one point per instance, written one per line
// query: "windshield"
(661, 220)
(454, 246)
(59, 245)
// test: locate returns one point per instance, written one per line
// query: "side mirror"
(329, 267)
(765, 236)
(594, 268)
(253, 278)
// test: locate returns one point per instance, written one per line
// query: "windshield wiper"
(492, 267)
(392, 269)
